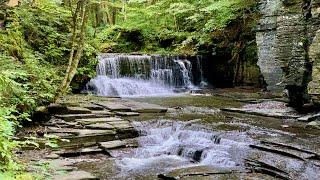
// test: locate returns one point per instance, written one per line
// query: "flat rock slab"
(99, 126)
(121, 124)
(273, 109)
(112, 145)
(310, 118)
(102, 113)
(72, 117)
(92, 107)
(98, 120)
(115, 106)
(76, 175)
(285, 150)
(80, 151)
(145, 107)
(78, 110)
(202, 171)
(80, 132)
(127, 113)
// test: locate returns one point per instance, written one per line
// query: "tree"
(79, 10)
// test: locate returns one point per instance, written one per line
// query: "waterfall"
(166, 145)
(141, 75)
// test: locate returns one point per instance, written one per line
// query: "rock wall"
(288, 47)
(266, 43)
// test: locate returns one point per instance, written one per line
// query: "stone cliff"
(289, 48)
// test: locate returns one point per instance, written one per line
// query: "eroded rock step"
(202, 172)
(62, 109)
(252, 112)
(130, 106)
(94, 130)
(286, 150)
(114, 106)
(145, 107)
(73, 117)
(99, 120)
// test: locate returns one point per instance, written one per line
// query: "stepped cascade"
(144, 75)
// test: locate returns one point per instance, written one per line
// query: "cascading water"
(166, 145)
(141, 75)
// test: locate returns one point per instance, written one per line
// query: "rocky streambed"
(181, 137)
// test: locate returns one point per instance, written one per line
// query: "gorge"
(159, 89)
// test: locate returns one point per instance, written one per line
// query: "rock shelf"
(93, 127)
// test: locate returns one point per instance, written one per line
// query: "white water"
(168, 145)
(141, 75)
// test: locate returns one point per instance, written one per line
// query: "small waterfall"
(166, 145)
(141, 75)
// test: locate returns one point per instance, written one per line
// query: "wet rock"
(114, 106)
(76, 175)
(309, 118)
(265, 168)
(127, 114)
(99, 126)
(165, 177)
(92, 107)
(83, 137)
(314, 125)
(72, 117)
(104, 113)
(120, 124)
(78, 110)
(314, 85)
(79, 132)
(200, 171)
(127, 133)
(197, 155)
(146, 107)
(99, 120)
(285, 150)
(268, 109)
(112, 145)
(80, 151)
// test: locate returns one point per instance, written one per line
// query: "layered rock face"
(289, 48)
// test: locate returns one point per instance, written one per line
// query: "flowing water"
(195, 136)
(166, 145)
(144, 75)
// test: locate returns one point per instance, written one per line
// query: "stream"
(166, 145)
(152, 117)
(201, 140)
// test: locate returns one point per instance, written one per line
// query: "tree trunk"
(79, 20)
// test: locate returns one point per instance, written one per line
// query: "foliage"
(37, 41)
(27, 75)
(181, 26)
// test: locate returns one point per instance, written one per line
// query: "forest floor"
(222, 134)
